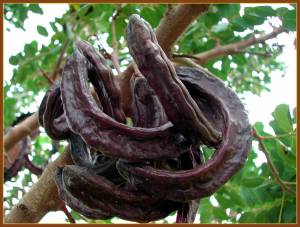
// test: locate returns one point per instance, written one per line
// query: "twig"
(270, 163)
(115, 53)
(281, 207)
(278, 136)
(44, 74)
(68, 214)
(59, 61)
(185, 56)
(291, 183)
(263, 54)
(235, 48)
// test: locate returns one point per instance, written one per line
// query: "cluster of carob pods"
(144, 172)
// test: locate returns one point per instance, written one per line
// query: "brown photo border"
(161, 1)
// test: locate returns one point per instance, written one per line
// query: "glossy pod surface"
(145, 171)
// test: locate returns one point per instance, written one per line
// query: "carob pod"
(122, 201)
(146, 107)
(75, 203)
(118, 201)
(145, 172)
(51, 114)
(104, 133)
(103, 74)
(20, 160)
(12, 167)
(100, 165)
(230, 155)
(181, 109)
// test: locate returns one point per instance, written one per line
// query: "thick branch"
(42, 196)
(175, 22)
(234, 48)
(19, 131)
(171, 26)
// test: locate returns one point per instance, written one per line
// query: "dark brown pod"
(230, 155)
(104, 133)
(54, 120)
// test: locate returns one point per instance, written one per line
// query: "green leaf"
(289, 213)
(249, 196)
(42, 30)
(31, 49)
(13, 60)
(210, 19)
(152, 15)
(53, 26)
(9, 110)
(228, 10)
(264, 11)
(205, 211)
(281, 11)
(35, 8)
(26, 180)
(282, 122)
(289, 20)
(238, 24)
(251, 17)
(219, 213)
(251, 182)
(247, 217)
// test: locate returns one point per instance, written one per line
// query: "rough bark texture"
(20, 131)
(175, 23)
(42, 197)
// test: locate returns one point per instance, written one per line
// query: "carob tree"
(146, 171)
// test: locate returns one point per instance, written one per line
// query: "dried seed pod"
(230, 155)
(54, 120)
(145, 172)
(102, 132)
(75, 203)
(181, 109)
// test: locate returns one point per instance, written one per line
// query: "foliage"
(253, 195)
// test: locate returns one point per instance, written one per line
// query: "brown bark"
(175, 22)
(20, 131)
(42, 196)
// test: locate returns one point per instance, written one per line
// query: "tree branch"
(42, 196)
(271, 165)
(175, 22)
(234, 48)
(60, 59)
(18, 132)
